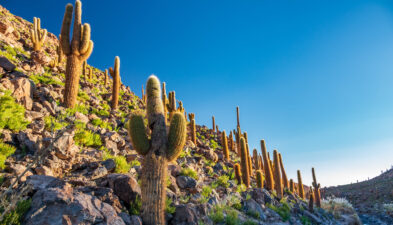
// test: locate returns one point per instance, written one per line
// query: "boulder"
(185, 182)
(23, 92)
(123, 185)
(6, 64)
(185, 215)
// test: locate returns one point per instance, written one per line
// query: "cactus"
(250, 171)
(84, 70)
(259, 179)
(267, 168)
(230, 138)
(180, 108)
(291, 186)
(277, 176)
(237, 116)
(158, 151)
(106, 77)
(238, 136)
(224, 143)
(76, 51)
(217, 130)
(214, 124)
(300, 185)
(59, 52)
(237, 173)
(171, 106)
(90, 73)
(164, 99)
(38, 36)
(115, 73)
(283, 174)
(311, 201)
(255, 159)
(244, 162)
(260, 163)
(193, 128)
(317, 187)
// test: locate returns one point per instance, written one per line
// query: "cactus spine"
(267, 167)
(283, 174)
(259, 179)
(76, 51)
(317, 187)
(158, 151)
(300, 185)
(244, 162)
(237, 173)
(277, 176)
(193, 128)
(115, 73)
(224, 143)
(38, 36)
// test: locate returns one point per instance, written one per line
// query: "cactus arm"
(88, 52)
(65, 30)
(76, 34)
(137, 132)
(176, 136)
(85, 39)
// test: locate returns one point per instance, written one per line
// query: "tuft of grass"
(51, 123)
(189, 172)
(121, 164)
(249, 222)
(82, 96)
(105, 125)
(217, 214)
(284, 210)
(86, 137)
(46, 79)
(135, 206)
(168, 206)
(5, 151)
(12, 115)
(15, 216)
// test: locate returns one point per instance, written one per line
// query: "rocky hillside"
(78, 166)
(373, 199)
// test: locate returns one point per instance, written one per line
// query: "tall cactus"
(91, 73)
(106, 77)
(224, 143)
(291, 186)
(260, 163)
(164, 99)
(259, 179)
(193, 128)
(213, 124)
(267, 168)
(317, 187)
(158, 151)
(84, 70)
(237, 116)
(300, 185)
(277, 176)
(255, 159)
(244, 162)
(171, 106)
(230, 137)
(38, 36)
(311, 201)
(76, 51)
(238, 173)
(283, 173)
(115, 73)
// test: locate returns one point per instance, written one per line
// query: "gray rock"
(252, 207)
(123, 185)
(109, 164)
(39, 182)
(6, 64)
(185, 215)
(23, 92)
(64, 147)
(185, 182)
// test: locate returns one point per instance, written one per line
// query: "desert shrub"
(283, 210)
(121, 164)
(45, 78)
(51, 123)
(305, 220)
(85, 137)
(337, 206)
(12, 115)
(189, 173)
(82, 96)
(15, 216)
(98, 122)
(222, 181)
(135, 162)
(250, 222)
(232, 217)
(5, 151)
(217, 214)
(206, 191)
(213, 144)
(169, 208)
(135, 206)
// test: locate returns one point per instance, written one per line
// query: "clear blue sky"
(312, 78)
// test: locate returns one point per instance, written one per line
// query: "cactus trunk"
(267, 167)
(300, 184)
(73, 69)
(277, 176)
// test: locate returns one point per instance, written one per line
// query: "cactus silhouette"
(311, 201)
(291, 186)
(317, 186)
(160, 149)
(244, 162)
(283, 174)
(255, 159)
(267, 167)
(106, 78)
(76, 51)
(277, 175)
(38, 36)
(115, 73)
(300, 185)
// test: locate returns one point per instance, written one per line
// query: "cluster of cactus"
(191, 116)
(77, 50)
(38, 36)
(115, 73)
(158, 151)
(317, 186)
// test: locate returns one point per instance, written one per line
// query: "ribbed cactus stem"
(164, 99)
(115, 73)
(300, 185)
(106, 77)
(317, 187)
(91, 73)
(193, 131)
(238, 136)
(250, 170)
(224, 143)
(244, 163)
(311, 201)
(261, 167)
(158, 151)
(237, 116)
(38, 36)
(291, 186)
(237, 173)
(259, 179)
(84, 70)
(172, 104)
(267, 168)
(217, 130)
(255, 159)
(283, 174)
(277, 175)
(77, 50)
(230, 139)
(213, 124)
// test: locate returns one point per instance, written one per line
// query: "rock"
(99, 172)
(18, 169)
(83, 118)
(218, 168)
(104, 194)
(185, 182)
(66, 206)
(23, 92)
(64, 147)
(136, 220)
(258, 195)
(6, 64)
(211, 155)
(39, 182)
(40, 57)
(131, 157)
(185, 215)
(123, 185)
(111, 145)
(28, 140)
(314, 219)
(43, 170)
(33, 115)
(109, 164)
(49, 108)
(252, 207)
(174, 170)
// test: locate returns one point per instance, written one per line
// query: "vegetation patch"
(5, 151)
(12, 115)
(15, 216)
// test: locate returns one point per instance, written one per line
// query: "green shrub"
(223, 181)
(168, 206)
(206, 191)
(15, 216)
(135, 206)
(78, 108)
(85, 137)
(250, 222)
(217, 214)
(284, 210)
(45, 78)
(121, 164)
(12, 115)
(98, 122)
(305, 220)
(82, 96)
(189, 173)
(51, 123)
(232, 217)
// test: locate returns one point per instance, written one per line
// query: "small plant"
(51, 123)
(85, 137)
(15, 216)
(5, 151)
(206, 191)
(232, 217)
(121, 164)
(250, 222)
(305, 220)
(46, 79)
(217, 214)
(168, 206)
(189, 173)
(283, 210)
(12, 115)
(223, 181)
(135, 206)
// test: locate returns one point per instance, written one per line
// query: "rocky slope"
(373, 199)
(77, 166)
